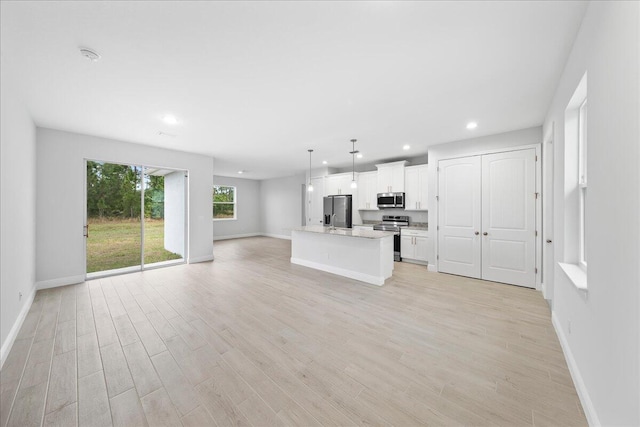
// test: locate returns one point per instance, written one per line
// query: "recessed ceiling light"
(324, 162)
(472, 125)
(240, 172)
(406, 147)
(359, 155)
(90, 54)
(170, 120)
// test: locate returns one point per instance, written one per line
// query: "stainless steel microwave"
(391, 200)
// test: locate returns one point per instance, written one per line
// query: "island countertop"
(349, 232)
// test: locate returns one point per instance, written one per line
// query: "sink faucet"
(333, 217)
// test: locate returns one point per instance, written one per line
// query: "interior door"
(459, 216)
(508, 217)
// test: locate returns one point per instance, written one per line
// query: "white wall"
(603, 346)
(470, 147)
(174, 215)
(248, 209)
(18, 210)
(281, 202)
(61, 198)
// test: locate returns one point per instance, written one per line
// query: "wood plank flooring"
(251, 339)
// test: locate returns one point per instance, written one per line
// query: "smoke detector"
(91, 55)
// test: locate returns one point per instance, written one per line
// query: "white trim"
(492, 151)
(13, 333)
(374, 280)
(276, 236)
(576, 275)
(236, 236)
(206, 258)
(578, 382)
(113, 272)
(62, 281)
(415, 261)
(432, 268)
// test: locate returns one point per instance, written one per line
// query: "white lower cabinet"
(414, 245)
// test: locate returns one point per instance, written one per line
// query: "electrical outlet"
(569, 327)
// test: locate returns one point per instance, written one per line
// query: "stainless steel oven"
(393, 223)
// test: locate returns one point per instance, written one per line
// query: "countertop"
(417, 226)
(349, 232)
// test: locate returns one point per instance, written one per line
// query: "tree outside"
(224, 202)
(114, 217)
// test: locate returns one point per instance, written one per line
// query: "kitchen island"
(364, 255)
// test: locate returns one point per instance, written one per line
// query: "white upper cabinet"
(339, 183)
(416, 183)
(368, 191)
(391, 177)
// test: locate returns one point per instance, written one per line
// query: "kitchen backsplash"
(377, 215)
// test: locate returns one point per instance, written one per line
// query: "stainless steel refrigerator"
(337, 211)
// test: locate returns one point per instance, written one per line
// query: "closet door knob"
(548, 240)
(476, 233)
(485, 233)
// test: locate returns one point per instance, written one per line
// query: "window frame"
(234, 203)
(582, 181)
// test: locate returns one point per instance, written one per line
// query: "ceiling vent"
(91, 55)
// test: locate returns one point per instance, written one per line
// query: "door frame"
(538, 181)
(548, 159)
(134, 269)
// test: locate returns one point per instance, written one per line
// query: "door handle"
(86, 231)
(485, 233)
(476, 233)
(548, 240)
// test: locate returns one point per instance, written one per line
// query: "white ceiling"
(255, 84)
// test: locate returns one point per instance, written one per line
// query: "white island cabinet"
(364, 255)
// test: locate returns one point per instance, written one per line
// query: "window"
(574, 260)
(582, 180)
(224, 202)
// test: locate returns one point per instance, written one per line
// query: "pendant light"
(310, 186)
(353, 153)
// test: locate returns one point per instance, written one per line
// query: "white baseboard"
(236, 236)
(13, 333)
(432, 267)
(206, 258)
(63, 281)
(578, 382)
(276, 236)
(374, 280)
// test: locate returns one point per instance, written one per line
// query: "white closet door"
(459, 216)
(508, 217)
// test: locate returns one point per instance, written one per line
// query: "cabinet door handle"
(548, 240)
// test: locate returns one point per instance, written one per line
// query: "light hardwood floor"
(251, 339)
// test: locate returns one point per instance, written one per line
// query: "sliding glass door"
(135, 217)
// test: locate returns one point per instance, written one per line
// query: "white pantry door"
(509, 217)
(459, 216)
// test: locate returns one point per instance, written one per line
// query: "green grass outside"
(115, 243)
